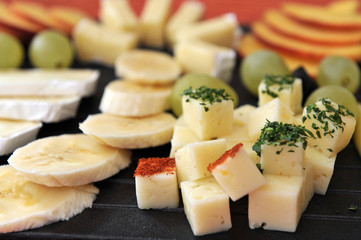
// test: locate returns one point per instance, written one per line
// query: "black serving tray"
(115, 214)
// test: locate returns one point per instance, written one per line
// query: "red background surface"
(246, 10)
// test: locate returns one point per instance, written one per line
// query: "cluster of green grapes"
(47, 49)
(338, 77)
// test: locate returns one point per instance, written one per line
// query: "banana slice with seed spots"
(126, 98)
(25, 205)
(68, 160)
(130, 132)
(147, 67)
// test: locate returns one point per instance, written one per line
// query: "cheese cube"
(193, 159)
(208, 120)
(188, 13)
(237, 135)
(277, 205)
(241, 114)
(274, 110)
(289, 93)
(118, 15)
(202, 57)
(236, 173)
(96, 43)
(323, 169)
(247, 145)
(331, 136)
(206, 206)
(182, 135)
(308, 186)
(221, 31)
(282, 159)
(156, 183)
(152, 22)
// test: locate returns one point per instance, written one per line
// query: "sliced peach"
(285, 25)
(250, 44)
(319, 16)
(13, 21)
(68, 16)
(303, 49)
(39, 14)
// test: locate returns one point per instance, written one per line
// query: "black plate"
(115, 214)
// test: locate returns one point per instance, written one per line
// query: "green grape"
(337, 94)
(196, 80)
(341, 71)
(12, 51)
(51, 49)
(256, 65)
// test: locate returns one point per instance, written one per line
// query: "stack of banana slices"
(50, 179)
(133, 109)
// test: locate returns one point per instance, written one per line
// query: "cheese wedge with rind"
(41, 82)
(130, 132)
(44, 109)
(68, 160)
(25, 205)
(14, 134)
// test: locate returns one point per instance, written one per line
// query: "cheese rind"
(206, 206)
(193, 159)
(236, 173)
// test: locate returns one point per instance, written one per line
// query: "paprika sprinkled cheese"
(230, 153)
(152, 166)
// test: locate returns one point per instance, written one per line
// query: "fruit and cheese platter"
(208, 131)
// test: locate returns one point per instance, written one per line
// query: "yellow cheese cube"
(323, 167)
(308, 186)
(241, 114)
(222, 31)
(193, 159)
(152, 22)
(274, 110)
(282, 160)
(357, 134)
(182, 135)
(156, 183)
(189, 12)
(289, 93)
(202, 57)
(237, 135)
(118, 15)
(208, 120)
(247, 145)
(236, 173)
(331, 136)
(277, 205)
(206, 206)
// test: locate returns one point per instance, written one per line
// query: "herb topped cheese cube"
(287, 89)
(208, 112)
(331, 124)
(281, 148)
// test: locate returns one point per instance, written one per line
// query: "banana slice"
(128, 132)
(25, 205)
(68, 160)
(126, 98)
(148, 67)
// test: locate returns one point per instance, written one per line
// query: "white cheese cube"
(193, 159)
(236, 173)
(152, 22)
(331, 136)
(247, 145)
(188, 13)
(206, 206)
(203, 57)
(237, 135)
(221, 31)
(274, 110)
(308, 186)
(290, 94)
(241, 114)
(282, 159)
(207, 120)
(323, 167)
(156, 183)
(182, 135)
(277, 205)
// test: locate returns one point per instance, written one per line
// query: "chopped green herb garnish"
(352, 208)
(206, 95)
(279, 134)
(258, 165)
(283, 82)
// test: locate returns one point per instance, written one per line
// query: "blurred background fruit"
(12, 52)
